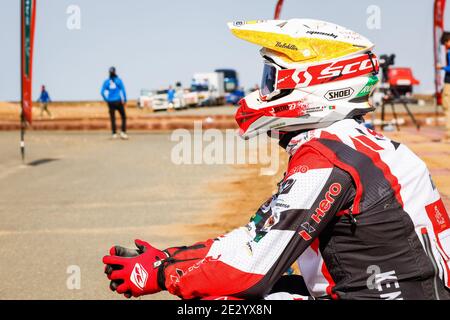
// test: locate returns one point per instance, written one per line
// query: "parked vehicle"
(209, 87)
(234, 97)
(145, 99)
(157, 100)
(231, 82)
(160, 101)
(230, 79)
(190, 98)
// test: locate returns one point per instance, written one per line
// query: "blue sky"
(156, 43)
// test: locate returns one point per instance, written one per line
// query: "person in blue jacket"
(114, 94)
(445, 41)
(171, 97)
(44, 99)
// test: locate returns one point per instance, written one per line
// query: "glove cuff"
(161, 276)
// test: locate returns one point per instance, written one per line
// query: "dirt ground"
(10, 111)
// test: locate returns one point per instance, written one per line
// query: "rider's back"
(393, 241)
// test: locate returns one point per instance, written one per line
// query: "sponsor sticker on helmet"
(327, 72)
(241, 23)
(286, 45)
(339, 94)
(368, 87)
(327, 34)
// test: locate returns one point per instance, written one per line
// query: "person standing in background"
(445, 40)
(44, 99)
(171, 97)
(114, 94)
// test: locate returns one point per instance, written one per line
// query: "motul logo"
(333, 191)
(139, 276)
(438, 216)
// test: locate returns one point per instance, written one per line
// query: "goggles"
(275, 78)
(269, 80)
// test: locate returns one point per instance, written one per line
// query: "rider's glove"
(134, 272)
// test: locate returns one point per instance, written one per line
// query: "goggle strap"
(371, 55)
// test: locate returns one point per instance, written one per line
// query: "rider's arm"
(247, 261)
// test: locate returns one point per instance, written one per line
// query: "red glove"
(134, 272)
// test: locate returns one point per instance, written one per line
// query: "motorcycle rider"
(358, 211)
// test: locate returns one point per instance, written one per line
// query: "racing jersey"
(358, 211)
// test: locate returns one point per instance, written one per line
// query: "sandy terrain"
(10, 111)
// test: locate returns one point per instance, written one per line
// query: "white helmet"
(315, 73)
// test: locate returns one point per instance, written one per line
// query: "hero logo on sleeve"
(339, 94)
(139, 276)
(333, 191)
(324, 206)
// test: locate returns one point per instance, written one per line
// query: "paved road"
(83, 194)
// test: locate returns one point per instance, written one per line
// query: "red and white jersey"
(357, 210)
(414, 189)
